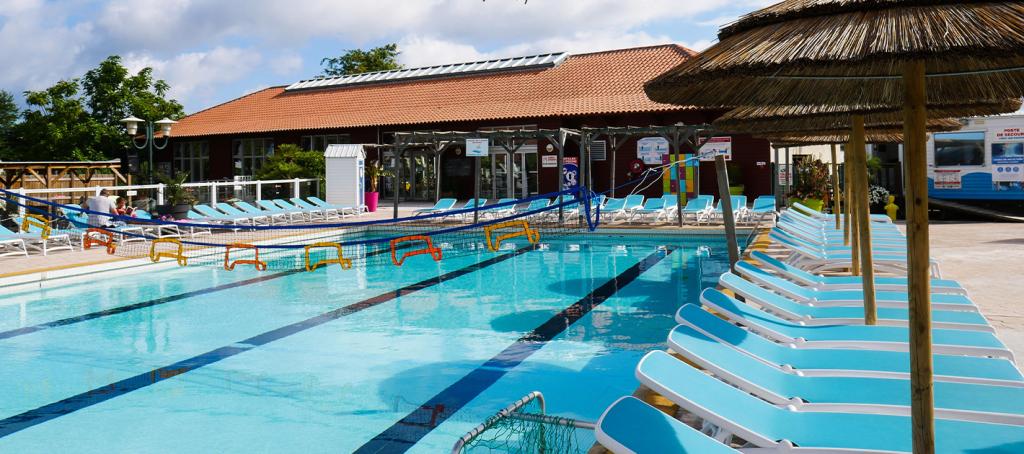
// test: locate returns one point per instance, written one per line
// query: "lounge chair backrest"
(287, 205)
(739, 202)
(267, 205)
(227, 208)
(783, 266)
(693, 316)
(744, 287)
(614, 204)
(444, 204)
(764, 203)
(142, 214)
(246, 206)
(697, 205)
(655, 204)
(474, 203)
(634, 201)
(538, 204)
(208, 211)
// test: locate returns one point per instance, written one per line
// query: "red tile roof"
(586, 84)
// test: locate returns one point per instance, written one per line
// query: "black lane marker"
(406, 432)
(154, 302)
(140, 305)
(92, 397)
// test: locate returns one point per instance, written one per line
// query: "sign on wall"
(716, 146)
(948, 179)
(570, 172)
(477, 148)
(650, 150)
(549, 160)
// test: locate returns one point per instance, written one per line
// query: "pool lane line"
(405, 433)
(150, 303)
(39, 415)
(135, 306)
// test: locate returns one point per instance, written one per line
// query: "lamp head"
(131, 125)
(165, 126)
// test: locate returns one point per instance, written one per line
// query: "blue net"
(310, 234)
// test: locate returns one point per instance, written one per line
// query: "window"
(250, 154)
(192, 158)
(954, 149)
(320, 143)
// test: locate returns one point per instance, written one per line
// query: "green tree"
(8, 116)
(56, 126)
(356, 61)
(79, 119)
(291, 161)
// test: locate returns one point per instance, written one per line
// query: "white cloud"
(286, 64)
(194, 76)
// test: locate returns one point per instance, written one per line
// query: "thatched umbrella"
(864, 53)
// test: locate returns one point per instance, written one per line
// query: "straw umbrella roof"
(798, 128)
(817, 118)
(877, 134)
(853, 52)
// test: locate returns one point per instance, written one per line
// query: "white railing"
(159, 188)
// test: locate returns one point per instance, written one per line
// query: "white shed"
(345, 170)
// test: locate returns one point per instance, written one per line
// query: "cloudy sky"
(211, 51)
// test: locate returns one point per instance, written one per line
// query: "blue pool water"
(200, 359)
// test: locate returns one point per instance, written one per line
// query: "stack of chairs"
(779, 360)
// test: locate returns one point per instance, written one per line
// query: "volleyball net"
(289, 236)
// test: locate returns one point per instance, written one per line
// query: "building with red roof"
(546, 91)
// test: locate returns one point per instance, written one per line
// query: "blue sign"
(570, 176)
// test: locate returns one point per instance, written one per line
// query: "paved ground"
(988, 260)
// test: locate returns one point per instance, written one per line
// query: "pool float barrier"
(255, 261)
(346, 264)
(532, 235)
(430, 249)
(178, 254)
(91, 239)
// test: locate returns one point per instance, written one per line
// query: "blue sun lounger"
(966, 401)
(816, 281)
(813, 315)
(735, 412)
(439, 207)
(274, 216)
(271, 207)
(327, 213)
(698, 209)
(320, 203)
(629, 204)
(843, 362)
(807, 211)
(212, 214)
(652, 207)
(631, 426)
(763, 208)
(232, 211)
(945, 341)
(310, 213)
(837, 298)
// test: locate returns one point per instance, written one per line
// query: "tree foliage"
(79, 119)
(357, 61)
(8, 116)
(291, 161)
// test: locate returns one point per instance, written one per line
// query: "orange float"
(430, 249)
(255, 261)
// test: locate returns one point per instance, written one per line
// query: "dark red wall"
(747, 152)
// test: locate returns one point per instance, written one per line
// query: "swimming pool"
(378, 359)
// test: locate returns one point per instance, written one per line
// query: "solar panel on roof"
(454, 69)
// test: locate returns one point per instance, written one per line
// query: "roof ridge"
(685, 50)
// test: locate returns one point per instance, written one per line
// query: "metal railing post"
(297, 188)
(213, 195)
(21, 207)
(259, 190)
(160, 194)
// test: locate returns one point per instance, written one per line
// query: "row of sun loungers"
(787, 364)
(263, 212)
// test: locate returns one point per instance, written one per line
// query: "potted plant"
(810, 184)
(374, 171)
(178, 199)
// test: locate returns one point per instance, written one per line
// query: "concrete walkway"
(988, 260)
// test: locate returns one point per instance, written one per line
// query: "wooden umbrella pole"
(915, 139)
(846, 197)
(863, 216)
(854, 203)
(836, 204)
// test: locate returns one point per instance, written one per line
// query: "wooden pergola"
(15, 174)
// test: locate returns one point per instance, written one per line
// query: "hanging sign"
(651, 149)
(570, 173)
(477, 148)
(716, 146)
(947, 179)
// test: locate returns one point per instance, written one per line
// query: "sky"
(216, 50)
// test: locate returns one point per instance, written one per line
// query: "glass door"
(500, 169)
(525, 175)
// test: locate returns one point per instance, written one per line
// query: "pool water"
(373, 359)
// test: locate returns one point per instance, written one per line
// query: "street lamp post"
(131, 125)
